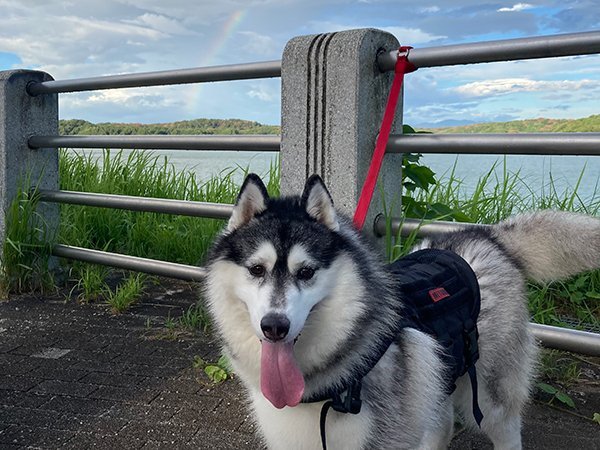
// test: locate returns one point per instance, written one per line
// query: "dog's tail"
(551, 245)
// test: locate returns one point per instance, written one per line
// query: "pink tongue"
(281, 381)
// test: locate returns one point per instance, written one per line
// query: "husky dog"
(301, 302)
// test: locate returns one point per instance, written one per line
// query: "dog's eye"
(257, 270)
(306, 273)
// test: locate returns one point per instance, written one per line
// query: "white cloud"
(72, 39)
(516, 7)
(162, 24)
(429, 9)
(264, 91)
(404, 34)
(514, 85)
(258, 44)
(135, 101)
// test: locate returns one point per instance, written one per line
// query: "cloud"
(162, 24)
(264, 91)
(72, 39)
(516, 7)
(513, 85)
(258, 44)
(403, 34)
(429, 9)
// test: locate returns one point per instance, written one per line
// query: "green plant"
(498, 194)
(216, 372)
(596, 418)
(196, 317)
(558, 367)
(556, 394)
(91, 282)
(26, 250)
(127, 293)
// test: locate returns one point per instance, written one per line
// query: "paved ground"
(76, 376)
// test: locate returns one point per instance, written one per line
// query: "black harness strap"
(351, 403)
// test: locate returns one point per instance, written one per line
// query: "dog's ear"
(251, 201)
(318, 203)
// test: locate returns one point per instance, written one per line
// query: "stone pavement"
(75, 376)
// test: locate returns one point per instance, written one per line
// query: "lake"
(536, 171)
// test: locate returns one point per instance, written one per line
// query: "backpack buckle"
(351, 403)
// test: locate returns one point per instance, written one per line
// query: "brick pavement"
(75, 376)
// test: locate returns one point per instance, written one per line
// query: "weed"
(196, 318)
(27, 247)
(127, 293)
(596, 418)
(216, 372)
(556, 394)
(556, 366)
(91, 282)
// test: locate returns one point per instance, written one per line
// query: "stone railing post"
(333, 98)
(22, 116)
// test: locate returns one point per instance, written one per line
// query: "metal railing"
(252, 143)
(141, 204)
(266, 69)
(502, 50)
(572, 44)
(499, 144)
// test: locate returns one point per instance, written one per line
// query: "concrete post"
(333, 98)
(22, 116)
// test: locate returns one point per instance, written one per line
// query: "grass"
(26, 250)
(195, 318)
(179, 239)
(498, 194)
(127, 293)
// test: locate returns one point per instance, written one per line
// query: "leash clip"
(403, 65)
(351, 403)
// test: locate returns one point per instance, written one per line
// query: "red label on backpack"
(438, 294)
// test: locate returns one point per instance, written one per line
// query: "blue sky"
(71, 39)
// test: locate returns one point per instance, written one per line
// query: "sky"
(73, 39)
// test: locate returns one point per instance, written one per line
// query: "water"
(539, 173)
(536, 171)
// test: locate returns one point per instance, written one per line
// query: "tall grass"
(180, 239)
(26, 248)
(175, 238)
(497, 195)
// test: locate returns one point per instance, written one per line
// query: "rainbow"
(208, 57)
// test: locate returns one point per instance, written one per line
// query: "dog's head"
(284, 260)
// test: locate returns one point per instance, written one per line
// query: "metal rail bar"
(150, 266)
(259, 142)
(423, 229)
(552, 337)
(266, 69)
(501, 50)
(133, 203)
(514, 144)
(480, 52)
(567, 339)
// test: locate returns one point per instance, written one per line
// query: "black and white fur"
(337, 315)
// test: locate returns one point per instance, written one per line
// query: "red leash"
(403, 65)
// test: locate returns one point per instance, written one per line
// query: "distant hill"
(237, 126)
(587, 124)
(196, 126)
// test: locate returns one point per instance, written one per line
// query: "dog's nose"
(275, 326)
